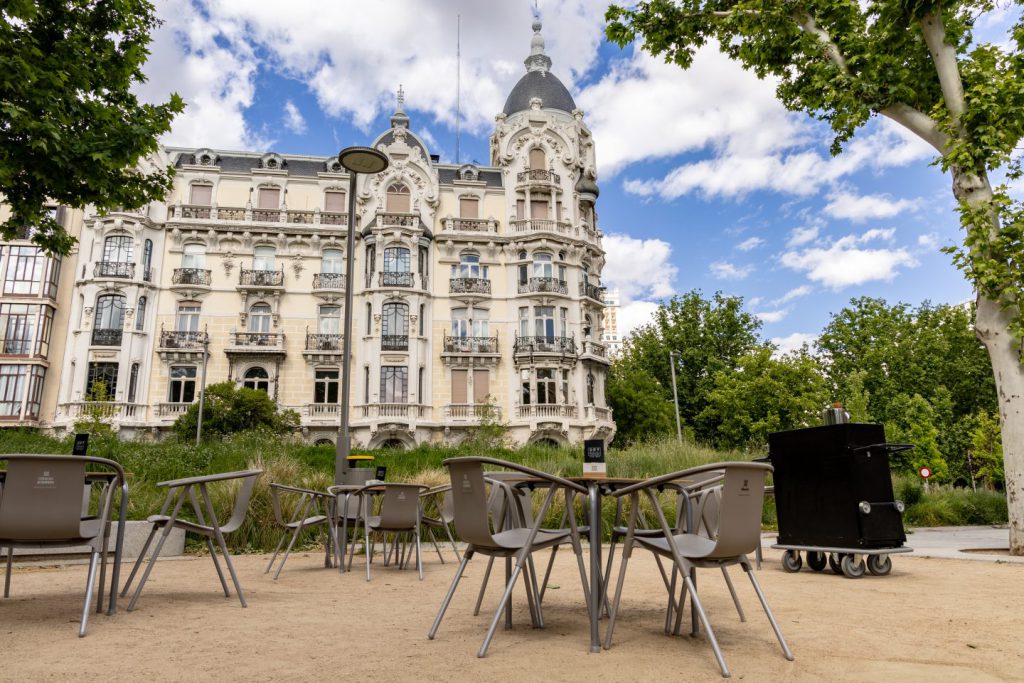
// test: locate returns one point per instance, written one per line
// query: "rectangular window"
(546, 386)
(202, 195)
(12, 383)
(394, 384)
(469, 207)
(539, 208)
(420, 383)
(524, 322)
(187, 319)
(36, 376)
(544, 321)
(325, 388)
(330, 320)
(183, 384)
(17, 325)
(366, 384)
(481, 386)
(334, 202)
(263, 258)
(104, 374)
(268, 198)
(459, 392)
(563, 322)
(524, 377)
(194, 256)
(25, 270)
(565, 386)
(520, 209)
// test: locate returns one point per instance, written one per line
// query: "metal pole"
(202, 386)
(675, 394)
(343, 448)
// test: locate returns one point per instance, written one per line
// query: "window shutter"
(334, 202)
(459, 386)
(268, 198)
(481, 386)
(469, 208)
(202, 195)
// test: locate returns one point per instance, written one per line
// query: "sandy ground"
(931, 619)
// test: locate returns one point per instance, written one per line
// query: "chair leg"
(288, 550)
(216, 565)
(150, 564)
(695, 601)
(419, 560)
(530, 583)
(231, 566)
(483, 586)
(433, 540)
(768, 612)
(138, 561)
(451, 592)
(547, 574)
(669, 610)
(732, 592)
(680, 611)
(90, 584)
(506, 601)
(451, 539)
(7, 573)
(369, 548)
(103, 577)
(277, 550)
(614, 611)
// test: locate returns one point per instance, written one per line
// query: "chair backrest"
(469, 500)
(241, 501)
(401, 506)
(42, 498)
(742, 500)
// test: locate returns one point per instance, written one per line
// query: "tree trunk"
(992, 327)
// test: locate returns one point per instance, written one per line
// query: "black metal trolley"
(834, 498)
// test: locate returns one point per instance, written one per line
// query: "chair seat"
(308, 521)
(514, 539)
(690, 545)
(161, 520)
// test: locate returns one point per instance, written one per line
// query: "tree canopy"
(228, 409)
(71, 129)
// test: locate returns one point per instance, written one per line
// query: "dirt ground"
(934, 620)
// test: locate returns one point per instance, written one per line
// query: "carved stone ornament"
(536, 103)
(297, 265)
(228, 261)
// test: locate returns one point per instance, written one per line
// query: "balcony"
(395, 279)
(193, 211)
(595, 292)
(471, 412)
(114, 269)
(261, 278)
(172, 410)
(544, 285)
(257, 344)
(596, 414)
(323, 348)
(107, 337)
(538, 176)
(182, 339)
(333, 218)
(526, 348)
(323, 411)
(191, 277)
(394, 342)
(333, 281)
(105, 409)
(547, 410)
(238, 214)
(474, 225)
(470, 345)
(392, 410)
(525, 225)
(469, 285)
(268, 215)
(391, 219)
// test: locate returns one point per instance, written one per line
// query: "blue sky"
(706, 181)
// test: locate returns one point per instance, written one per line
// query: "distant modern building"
(610, 334)
(476, 287)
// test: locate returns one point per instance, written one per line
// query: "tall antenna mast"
(458, 84)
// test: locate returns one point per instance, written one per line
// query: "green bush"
(228, 409)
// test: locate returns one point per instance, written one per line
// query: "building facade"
(476, 288)
(610, 335)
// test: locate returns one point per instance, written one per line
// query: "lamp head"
(362, 160)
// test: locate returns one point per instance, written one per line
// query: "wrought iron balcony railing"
(323, 342)
(545, 345)
(107, 337)
(182, 339)
(538, 175)
(395, 279)
(595, 292)
(394, 342)
(470, 344)
(191, 276)
(118, 269)
(257, 340)
(261, 278)
(469, 285)
(549, 285)
(329, 281)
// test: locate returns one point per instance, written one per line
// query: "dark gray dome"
(542, 84)
(587, 185)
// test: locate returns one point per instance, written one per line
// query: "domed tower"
(547, 155)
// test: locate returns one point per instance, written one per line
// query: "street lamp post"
(202, 386)
(672, 355)
(355, 160)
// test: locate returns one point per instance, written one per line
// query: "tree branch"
(919, 123)
(832, 51)
(944, 56)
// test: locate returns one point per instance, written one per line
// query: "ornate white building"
(473, 286)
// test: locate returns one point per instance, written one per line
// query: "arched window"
(538, 162)
(398, 198)
(397, 260)
(590, 388)
(118, 249)
(260, 318)
(395, 319)
(147, 259)
(542, 265)
(469, 266)
(140, 315)
(460, 323)
(109, 321)
(194, 256)
(332, 262)
(256, 378)
(133, 381)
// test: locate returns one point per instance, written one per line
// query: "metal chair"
(440, 498)
(41, 504)
(739, 529)
(399, 514)
(178, 491)
(473, 524)
(298, 521)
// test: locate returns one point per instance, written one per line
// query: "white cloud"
(845, 263)
(795, 293)
(883, 234)
(293, 119)
(640, 269)
(750, 243)
(865, 207)
(792, 342)
(801, 236)
(754, 301)
(635, 314)
(928, 241)
(723, 270)
(773, 316)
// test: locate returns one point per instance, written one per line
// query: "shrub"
(228, 409)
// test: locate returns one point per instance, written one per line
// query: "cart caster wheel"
(879, 565)
(816, 561)
(851, 569)
(791, 561)
(833, 562)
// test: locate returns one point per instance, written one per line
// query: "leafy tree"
(228, 409)
(764, 394)
(917, 64)
(638, 403)
(855, 398)
(71, 129)
(709, 335)
(96, 413)
(987, 449)
(915, 424)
